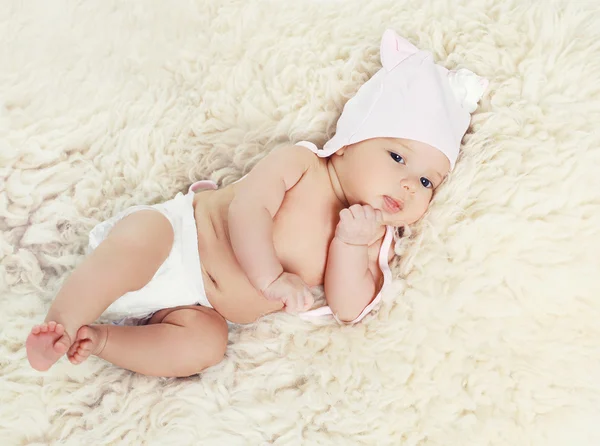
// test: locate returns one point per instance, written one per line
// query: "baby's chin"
(397, 221)
(395, 224)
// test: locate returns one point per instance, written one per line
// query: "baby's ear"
(394, 49)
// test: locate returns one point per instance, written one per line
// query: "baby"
(171, 276)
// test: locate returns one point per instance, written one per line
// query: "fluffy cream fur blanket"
(492, 333)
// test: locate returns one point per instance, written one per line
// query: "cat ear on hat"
(394, 49)
(468, 88)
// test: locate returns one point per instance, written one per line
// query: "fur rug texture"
(491, 335)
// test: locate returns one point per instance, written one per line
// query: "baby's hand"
(359, 225)
(292, 291)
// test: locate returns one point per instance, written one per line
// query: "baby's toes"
(83, 333)
(76, 358)
(59, 329)
(36, 329)
(51, 326)
(44, 328)
(85, 347)
(73, 349)
(83, 351)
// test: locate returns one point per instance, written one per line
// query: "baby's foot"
(46, 344)
(90, 340)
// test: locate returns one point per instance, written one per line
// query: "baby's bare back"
(302, 232)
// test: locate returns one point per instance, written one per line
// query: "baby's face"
(396, 176)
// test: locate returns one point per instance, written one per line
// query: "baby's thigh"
(146, 229)
(204, 336)
(140, 243)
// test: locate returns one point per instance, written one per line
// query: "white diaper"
(177, 282)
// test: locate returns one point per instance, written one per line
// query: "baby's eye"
(426, 183)
(397, 158)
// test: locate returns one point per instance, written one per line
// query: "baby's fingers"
(378, 216)
(292, 304)
(309, 300)
(358, 211)
(345, 214)
(369, 212)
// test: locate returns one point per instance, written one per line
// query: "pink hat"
(411, 97)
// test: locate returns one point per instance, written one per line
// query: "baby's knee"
(204, 341)
(200, 355)
(211, 333)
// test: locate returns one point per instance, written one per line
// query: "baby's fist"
(291, 290)
(359, 225)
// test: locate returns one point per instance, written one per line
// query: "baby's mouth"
(392, 205)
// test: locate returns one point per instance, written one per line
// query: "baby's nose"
(409, 185)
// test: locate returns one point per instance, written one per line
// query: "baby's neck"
(335, 183)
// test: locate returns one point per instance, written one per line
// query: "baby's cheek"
(419, 209)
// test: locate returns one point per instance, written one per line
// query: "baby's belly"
(229, 291)
(227, 287)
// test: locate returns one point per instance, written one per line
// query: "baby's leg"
(177, 342)
(125, 261)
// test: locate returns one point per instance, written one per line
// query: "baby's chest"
(302, 232)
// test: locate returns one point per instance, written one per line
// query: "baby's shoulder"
(292, 157)
(305, 155)
(298, 151)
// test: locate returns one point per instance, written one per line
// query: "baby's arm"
(256, 202)
(349, 283)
